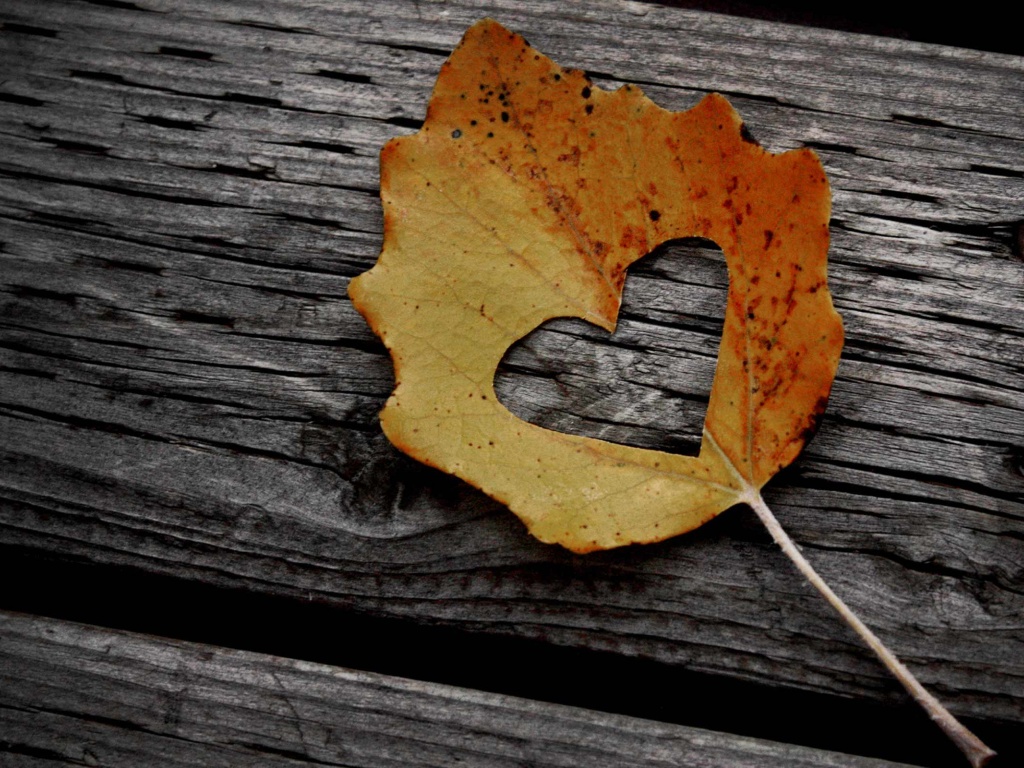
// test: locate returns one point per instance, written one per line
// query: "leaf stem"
(973, 748)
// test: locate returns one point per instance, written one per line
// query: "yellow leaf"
(525, 196)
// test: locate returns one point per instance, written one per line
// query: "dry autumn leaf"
(525, 196)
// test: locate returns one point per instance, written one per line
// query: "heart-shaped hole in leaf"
(648, 384)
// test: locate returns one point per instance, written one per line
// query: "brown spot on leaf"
(813, 420)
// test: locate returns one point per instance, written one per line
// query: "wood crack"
(929, 567)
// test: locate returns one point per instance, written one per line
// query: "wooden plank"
(74, 694)
(186, 188)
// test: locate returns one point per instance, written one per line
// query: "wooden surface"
(185, 391)
(73, 694)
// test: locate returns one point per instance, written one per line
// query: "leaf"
(525, 196)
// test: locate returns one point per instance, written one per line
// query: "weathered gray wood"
(186, 188)
(74, 694)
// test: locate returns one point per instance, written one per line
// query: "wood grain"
(186, 189)
(78, 695)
